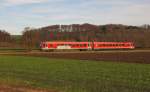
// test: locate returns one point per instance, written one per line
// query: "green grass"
(74, 75)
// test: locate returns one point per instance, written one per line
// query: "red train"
(86, 45)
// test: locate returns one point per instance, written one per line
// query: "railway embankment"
(129, 56)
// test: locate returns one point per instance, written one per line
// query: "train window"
(43, 45)
(109, 44)
(60, 44)
(122, 44)
(104, 45)
(50, 45)
(69, 44)
(77, 45)
(114, 44)
(100, 45)
(84, 45)
(127, 44)
(73, 45)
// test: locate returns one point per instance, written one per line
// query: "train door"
(90, 45)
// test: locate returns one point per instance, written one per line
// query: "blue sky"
(15, 15)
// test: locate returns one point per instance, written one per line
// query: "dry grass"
(12, 88)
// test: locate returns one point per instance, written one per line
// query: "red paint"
(88, 45)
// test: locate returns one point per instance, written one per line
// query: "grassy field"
(74, 75)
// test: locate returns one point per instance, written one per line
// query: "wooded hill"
(88, 32)
(31, 38)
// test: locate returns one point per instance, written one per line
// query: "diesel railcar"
(85, 45)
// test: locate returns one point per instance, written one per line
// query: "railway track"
(129, 56)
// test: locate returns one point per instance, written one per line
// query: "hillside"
(89, 32)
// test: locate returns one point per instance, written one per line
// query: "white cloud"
(7, 3)
(24, 1)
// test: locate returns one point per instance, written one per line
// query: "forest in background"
(32, 37)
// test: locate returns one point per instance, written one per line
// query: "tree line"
(5, 39)
(31, 37)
